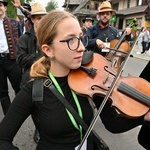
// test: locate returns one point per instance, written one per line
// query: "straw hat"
(4, 2)
(105, 6)
(38, 9)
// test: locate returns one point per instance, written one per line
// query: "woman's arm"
(144, 135)
(114, 121)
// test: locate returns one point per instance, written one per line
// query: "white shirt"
(3, 39)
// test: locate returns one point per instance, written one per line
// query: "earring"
(52, 58)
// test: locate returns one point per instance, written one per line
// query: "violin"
(121, 49)
(131, 95)
(118, 49)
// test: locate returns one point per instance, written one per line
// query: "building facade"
(126, 10)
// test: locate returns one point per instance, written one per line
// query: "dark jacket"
(13, 31)
(144, 133)
(146, 72)
(27, 53)
(94, 32)
(106, 34)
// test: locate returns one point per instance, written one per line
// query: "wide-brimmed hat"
(4, 2)
(105, 6)
(38, 9)
(87, 18)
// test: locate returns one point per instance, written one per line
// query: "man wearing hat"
(102, 33)
(28, 50)
(10, 31)
(87, 22)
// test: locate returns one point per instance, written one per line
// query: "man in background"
(101, 34)
(10, 31)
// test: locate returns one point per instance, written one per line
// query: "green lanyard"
(76, 101)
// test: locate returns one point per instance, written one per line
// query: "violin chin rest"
(87, 57)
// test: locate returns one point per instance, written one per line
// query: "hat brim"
(83, 20)
(38, 13)
(5, 3)
(105, 10)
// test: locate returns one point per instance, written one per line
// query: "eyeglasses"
(74, 42)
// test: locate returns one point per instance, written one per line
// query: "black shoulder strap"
(37, 90)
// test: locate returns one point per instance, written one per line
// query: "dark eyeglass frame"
(79, 39)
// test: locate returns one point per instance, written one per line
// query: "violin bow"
(108, 93)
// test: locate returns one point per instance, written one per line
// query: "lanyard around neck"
(76, 101)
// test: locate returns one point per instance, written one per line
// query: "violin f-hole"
(106, 69)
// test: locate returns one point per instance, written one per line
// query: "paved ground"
(145, 56)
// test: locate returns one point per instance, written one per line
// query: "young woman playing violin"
(60, 38)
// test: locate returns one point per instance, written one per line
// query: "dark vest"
(12, 32)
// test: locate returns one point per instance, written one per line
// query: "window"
(96, 6)
(116, 6)
(128, 3)
(87, 6)
(139, 2)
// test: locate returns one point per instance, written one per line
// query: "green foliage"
(51, 5)
(133, 23)
(113, 19)
(95, 22)
(11, 10)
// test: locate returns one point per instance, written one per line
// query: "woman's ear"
(47, 50)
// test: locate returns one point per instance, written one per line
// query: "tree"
(11, 10)
(51, 5)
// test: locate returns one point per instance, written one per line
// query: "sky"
(44, 2)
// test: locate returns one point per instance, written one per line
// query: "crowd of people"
(50, 49)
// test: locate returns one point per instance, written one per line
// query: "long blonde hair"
(46, 32)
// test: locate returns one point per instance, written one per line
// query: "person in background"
(148, 45)
(60, 38)
(26, 10)
(101, 34)
(87, 22)
(10, 31)
(146, 72)
(28, 50)
(140, 46)
(144, 134)
(145, 40)
(27, 22)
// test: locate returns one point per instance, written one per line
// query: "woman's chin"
(76, 67)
